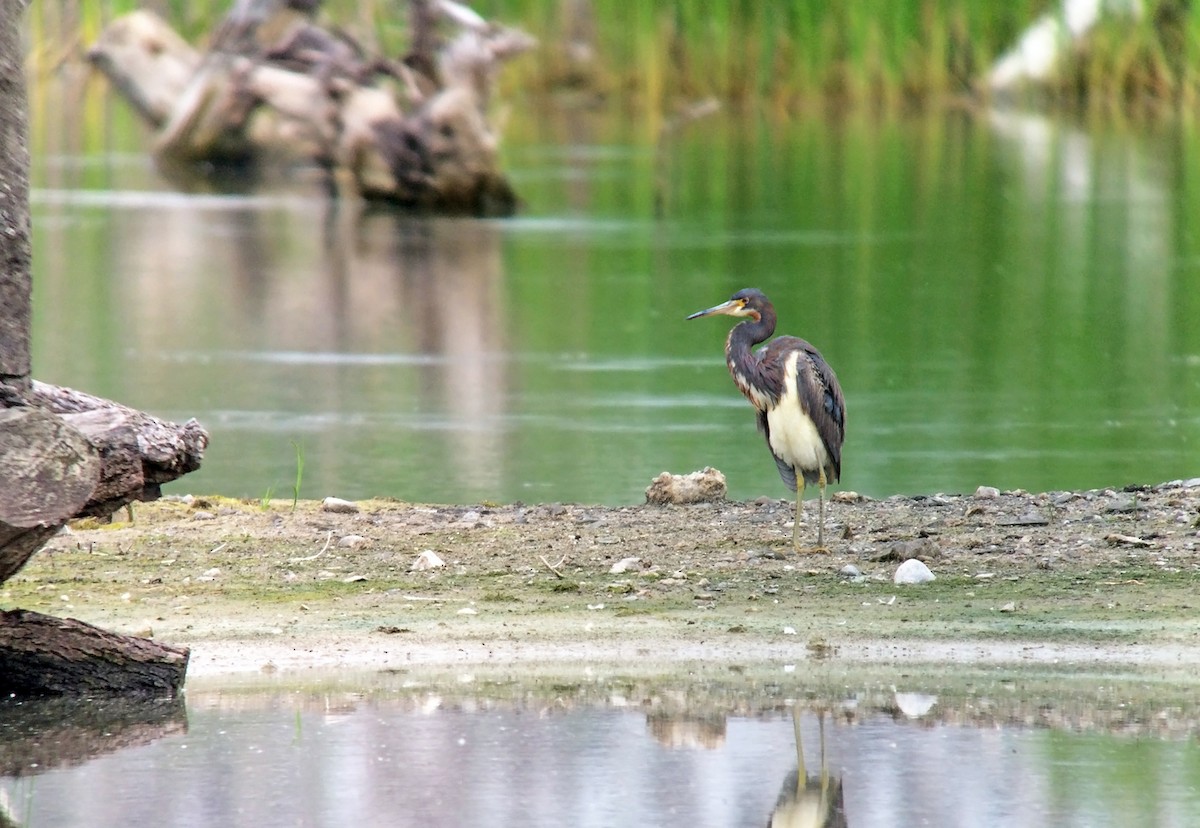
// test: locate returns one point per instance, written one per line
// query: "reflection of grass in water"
(782, 54)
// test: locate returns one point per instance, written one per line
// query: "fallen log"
(41, 655)
(275, 86)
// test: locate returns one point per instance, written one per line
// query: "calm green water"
(604, 749)
(1007, 301)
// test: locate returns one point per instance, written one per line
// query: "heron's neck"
(743, 364)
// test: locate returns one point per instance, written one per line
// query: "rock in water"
(704, 486)
(913, 571)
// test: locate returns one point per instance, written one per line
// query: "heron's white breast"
(794, 435)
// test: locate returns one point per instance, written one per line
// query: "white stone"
(623, 565)
(336, 504)
(427, 560)
(987, 493)
(351, 541)
(913, 571)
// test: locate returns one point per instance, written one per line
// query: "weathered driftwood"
(139, 452)
(48, 470)
(66, 454)
(275, 84)
(42, 655)
(140, 46)
(43, 735)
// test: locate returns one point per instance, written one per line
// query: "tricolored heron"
(801, 410)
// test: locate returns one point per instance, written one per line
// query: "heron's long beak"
(731, 308)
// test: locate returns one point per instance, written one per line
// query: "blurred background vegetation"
(784, 57)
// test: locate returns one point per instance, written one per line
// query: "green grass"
(299, 474)
(785, 56)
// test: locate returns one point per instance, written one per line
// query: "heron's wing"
(822, 399)
(785, 470)
(829, 414)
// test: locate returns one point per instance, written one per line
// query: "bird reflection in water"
(809, 801)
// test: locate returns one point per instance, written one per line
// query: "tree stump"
(275, 85)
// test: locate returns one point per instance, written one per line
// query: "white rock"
(468, 611)
(351, 541)
(623, 565)
(789, 630)
(336, 504)
(850, 571)
(704, 486)
(913, 571)
(427, 560)
(987, 493)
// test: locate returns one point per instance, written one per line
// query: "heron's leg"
(799, 511)
(821, 521)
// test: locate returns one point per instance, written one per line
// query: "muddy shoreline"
(1104, 578)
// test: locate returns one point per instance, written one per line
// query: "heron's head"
(747, 302)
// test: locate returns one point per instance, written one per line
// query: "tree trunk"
(45, 656)
(14, 204)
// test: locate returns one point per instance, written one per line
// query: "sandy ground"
(1099, 577)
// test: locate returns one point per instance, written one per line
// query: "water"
(608, 749)
(1007, 301)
